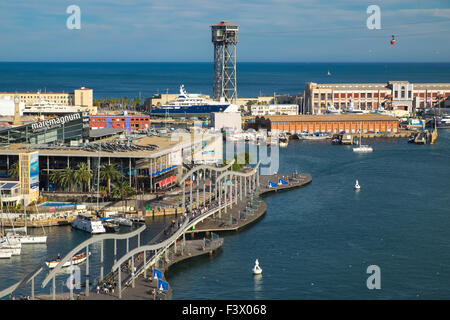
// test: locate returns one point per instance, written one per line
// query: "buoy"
(257, 269)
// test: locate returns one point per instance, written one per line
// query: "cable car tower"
(225, 38)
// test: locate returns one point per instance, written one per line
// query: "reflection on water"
(258, 283)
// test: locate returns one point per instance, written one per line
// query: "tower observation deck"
(225, 38)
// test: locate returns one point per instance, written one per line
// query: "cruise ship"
(192, 105)
(88, 223)
(48, 107)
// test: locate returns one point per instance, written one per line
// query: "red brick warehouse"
(125, 122)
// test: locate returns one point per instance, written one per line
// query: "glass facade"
(58, 130)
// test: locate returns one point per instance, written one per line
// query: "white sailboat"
(8, 246)
(26, 238)
(357, 186)
(362, 148)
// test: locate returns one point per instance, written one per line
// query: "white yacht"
(382, 111)
(28, 239)
(88, 223)
(193, 104)
(48, 107)
(351, 109)
(331, 109)
(121, 220)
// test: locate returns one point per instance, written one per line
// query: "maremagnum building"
(148, 163)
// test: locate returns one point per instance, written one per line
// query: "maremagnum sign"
(54, 123)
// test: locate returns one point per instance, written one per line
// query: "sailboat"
(5, 253)
(357, 186)
(26, 238)
(362, 148)
(329, 74)
(8, 246)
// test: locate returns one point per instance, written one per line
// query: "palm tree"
(67, 178)
(14, 170)
(83, 175)
(55, 176)
(122, 190)
(109, 173)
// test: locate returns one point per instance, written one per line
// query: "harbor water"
(313, 243)
(317, 242)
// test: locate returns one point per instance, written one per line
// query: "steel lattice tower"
(225, 38)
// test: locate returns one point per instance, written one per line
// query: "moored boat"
(88, 223)
(5, 253)
(12, 244)
(77, 259)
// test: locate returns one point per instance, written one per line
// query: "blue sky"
(270, 30)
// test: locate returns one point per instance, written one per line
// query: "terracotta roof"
(342, 117)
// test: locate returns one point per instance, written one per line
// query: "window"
(363, 94)
(322, 96)
(396, 94)
(403, 93)
(329, 96)
(369, 95)
(316, 96)
(409, 94)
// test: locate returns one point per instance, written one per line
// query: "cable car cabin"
(393, 40)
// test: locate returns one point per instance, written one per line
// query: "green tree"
(83, 175)
(236, 165)
(67, 178)
(122, 190)
(55, 176)
(109, 173)
(14, 171)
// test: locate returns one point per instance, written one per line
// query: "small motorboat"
(257, 269)
(77, 259)
(357, 186)
(137, 219)
(111, 227)
(119, 219)
(363, 148)
(5, 253)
